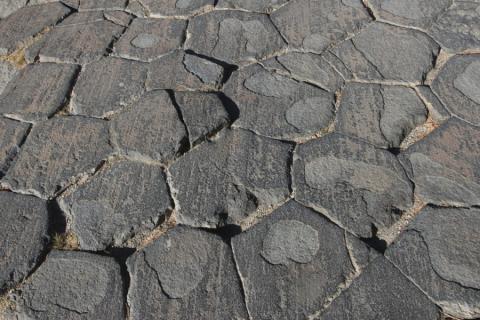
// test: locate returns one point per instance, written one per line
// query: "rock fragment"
(12, 134)
(252, 5)
(162, 8)
(121, 18)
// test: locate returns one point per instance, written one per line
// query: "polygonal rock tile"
(9, 6)
(225, 180)
(380, 115)
(278, 106)
(86, 5)
(106, 86)
(351, 182)
(386, 52)
(118, 202)
(252, 5)
(7, 73)
(315, 24)
(21, 26)
(235, 37)
(73, 285)
(23, 235)
(439, 252)
(458, 86)
(11, 135)
(381, 292)
(56, 151)
(37, 91)
(152, 128)
(147, 39)
(162, 8)
(445, 166)
(185, 274)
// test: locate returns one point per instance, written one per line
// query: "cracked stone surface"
(162, 8)
(7, 73)
(252, 5)
(12, 133)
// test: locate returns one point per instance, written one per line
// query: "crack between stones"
(242, 282)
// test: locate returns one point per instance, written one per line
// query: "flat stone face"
(119, 201)
(381, 292)
(445, 165)
(225, 180)
(151, 128)
(147, 39)
(56, 151)
(314, 25)
(252, 5)
(37, 91)
(73, 285)
(121, 18)
(161, 8)
(108, 85)
(380, 115)
(7, 73)
(23, 236)
(458, 86)
(439, 252)
(235, 37)
(12, 133)
(278, 106)
(352, 182)
(9, 6)
(102, 4)
(187, 273)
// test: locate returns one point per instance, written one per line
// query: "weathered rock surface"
(7, 73)
(187, 274)
(86, 5)
(437, 110)
(252, 5)
(12, 134)
(162, 8)
(121, 18)
(9, 6)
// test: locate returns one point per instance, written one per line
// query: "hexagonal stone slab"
(439, 252)
(381, 292)
(278, 106)
(123, 199)
(385, 52)
(108, 85)
(147, 39)
(225, 180)
(152, 128)
(445, 166)
(11, 135)
(187, 273)
(353, 183)
(252, 5)
(38, 91)
(380, 115)
(23, 236)
(235, 37)
(73, 285)
(56, 151)
(458, 86)
(7, 73)
(314, 25)
(162, 8)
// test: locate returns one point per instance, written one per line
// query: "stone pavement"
(240, 159)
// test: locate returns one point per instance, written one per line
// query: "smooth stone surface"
(208, 72)
(161, 8)
(12, 134)
(252, 5)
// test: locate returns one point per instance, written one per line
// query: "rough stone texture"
(353, 183)
(23, 236)
(7, 73)
(9, 6)
(313, 25)
(12, 133)
(380, 115)
(187, 274)
(225, 180)
(102, 5)
(445, 165)
(252, 5)
(56, 151)
(37, 91)
(235, 37)
(118, 202)
(278, 106)
(162, 8)
(119, 17)
(437, 110)
(439, 252)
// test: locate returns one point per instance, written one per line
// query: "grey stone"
(7, 7)
(86, 5)
(12, 133)
(353, 183)
(38, 91)
(227, 179)
(55, 152)
(185, 274)
(108, 85)
(439, 252)
(381, 292)
(80, 18)
(162, 8)
(152, 128)
(73, 285)
(445, 165)
(121, 200)
(360, 254)
(147, 39)
(235, 37)
(437, 110)
(136, 8)
(208, 72)
(7, 73)
(252, 5)
(121, 18)
(23, 236)
(277, 106)
(315, 25)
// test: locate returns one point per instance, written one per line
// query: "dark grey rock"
(437, 110)
(185, 274)
(80, 18)
(121, 18)
(86, 5)
(56, 151)
(208, 72)
(7, 73)
(353, 183)
(439, 252)
(360, 254)
(7, 7)
(162, 8)
(235, 37)
(38, 91)
(23, 236)
(225, 180)
(11, 135)
(252, 5)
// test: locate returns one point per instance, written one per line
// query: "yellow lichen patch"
(65, 241)
(6, 304)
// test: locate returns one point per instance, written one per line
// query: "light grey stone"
(121, 18)
(12, 134)
(252, 5)
(8, 7)
(7, 73)
(86, 5)
(162, 8)
(80, 18)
